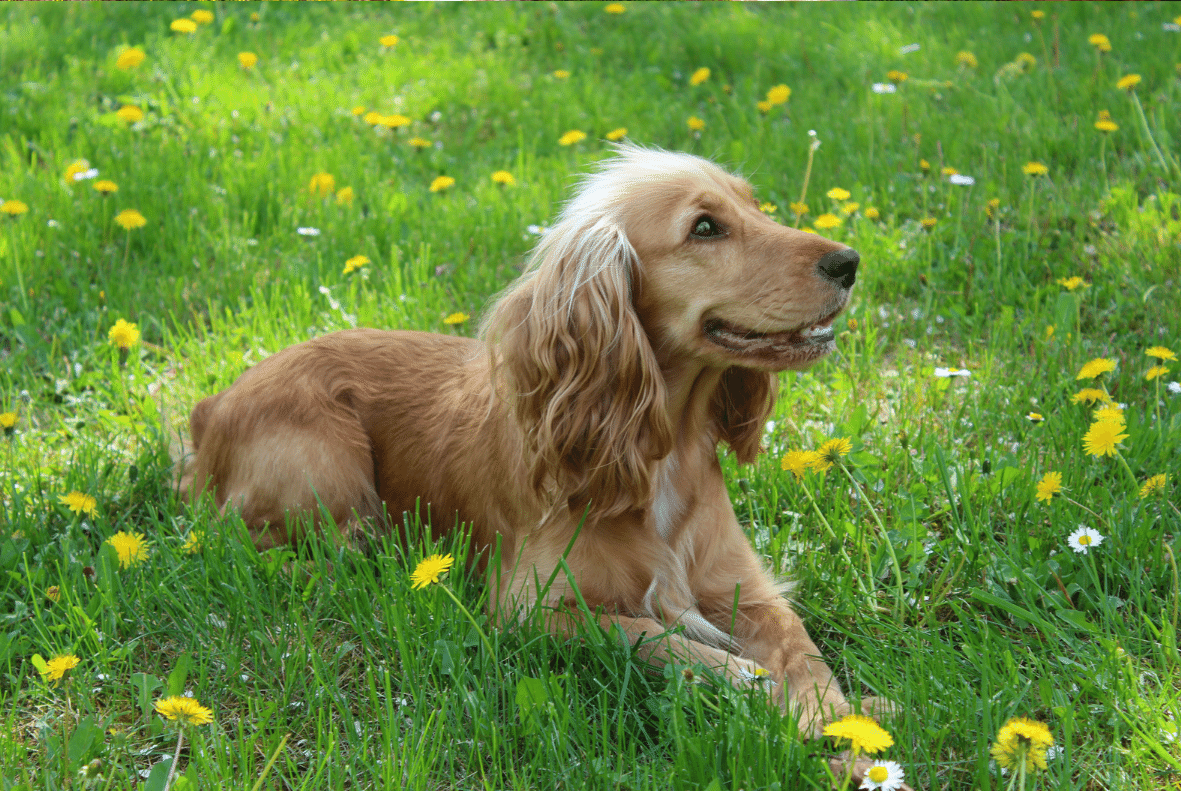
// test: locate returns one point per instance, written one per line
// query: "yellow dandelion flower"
(1034, 169)
(201, 16)
(394, 121)
(193, 542)
(1106, 125)
(420, 142)
(991, 207)
(504, 177)
(617, 134)
(130, 58)
(373, 118)
(798, 209)
(183, 26)
(359, 109)
(838, 194)
(76, 167)
(1099, 42)
(248, 60)
(1090, 395)
(1022, 740)
(949, 171)
(1128, 82)
(928, 222)
(184, 710)
(561, 74)
(131, 548)
(79, 502)
(768, 208)
(966, 59)
(1025, 61)
(827, 221)
(764, 106)
(863, 733)
(105, 186)
(322, 184)
(57, 667)
(430, 570)
(571, 137)
(345, 196)
(1161, 353)
(1102, 437)
(389, 41)
(1049, 485)
(871, 213)
(924, 165)
(130, 113)
(699, 76)
(614, 8)
(1037, 14)
(1110, 413)
(130, 218)
(456, 318)
(778, 94)
(799, 461)
(8, 420)
(832, 451)
(441, 183)
(893, 75)
(1071, 283)
(1095, 368)
(695, 123)
(1154, 484)
(850, 207)
(1155, 372)
(13, 208)
(123, 334)
(355, 263)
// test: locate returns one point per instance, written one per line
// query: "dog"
(583, 426)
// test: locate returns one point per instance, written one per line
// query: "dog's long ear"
(741, 406)
(572, 359)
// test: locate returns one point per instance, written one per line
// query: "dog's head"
(714, 278)
(660, 261)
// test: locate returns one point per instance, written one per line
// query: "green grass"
(929, 573)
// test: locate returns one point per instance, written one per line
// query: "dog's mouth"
(774, 349)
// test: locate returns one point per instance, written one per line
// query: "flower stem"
(1131, 475)
(1148, 132)
(833, 535)
(882, 536)
(479, 631)
(20, 278)
(180, 737)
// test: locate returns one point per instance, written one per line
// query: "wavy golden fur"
(646, 329)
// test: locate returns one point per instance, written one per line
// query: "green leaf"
(180, 672)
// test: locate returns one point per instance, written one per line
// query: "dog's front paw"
(851, 773)
(814, 712)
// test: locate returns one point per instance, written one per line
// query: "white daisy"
(1174, 387)
(887, 775)
(944, 373)
(961, 180)
(885, 87)
(1084, 538)
(308, 231)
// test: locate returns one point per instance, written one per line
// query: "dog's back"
(335, 425)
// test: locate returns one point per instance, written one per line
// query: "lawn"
(1001, 541)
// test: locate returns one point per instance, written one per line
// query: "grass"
(925, 566)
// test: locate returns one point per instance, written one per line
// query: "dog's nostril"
(840, 266)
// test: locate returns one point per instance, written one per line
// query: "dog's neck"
(691, 387)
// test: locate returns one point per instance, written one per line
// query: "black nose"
(840, 266)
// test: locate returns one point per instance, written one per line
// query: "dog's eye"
(706, 227)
